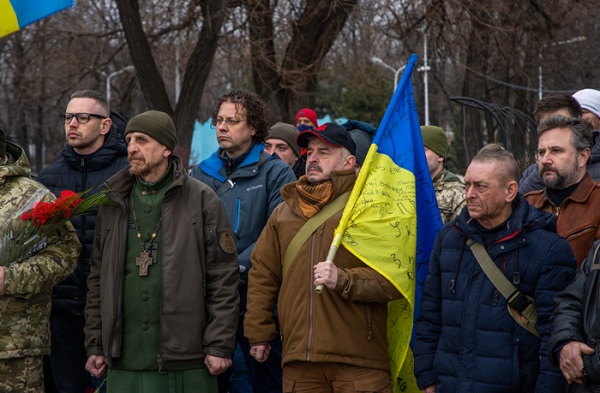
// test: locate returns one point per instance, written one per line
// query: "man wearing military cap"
(449, 188)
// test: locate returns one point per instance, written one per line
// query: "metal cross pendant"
(143, 261)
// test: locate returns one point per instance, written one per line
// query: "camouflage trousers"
(22, 375)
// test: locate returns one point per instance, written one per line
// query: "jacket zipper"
(236, 221)
(579, 233)
(369, 322)
(159, 359)
(119, 279)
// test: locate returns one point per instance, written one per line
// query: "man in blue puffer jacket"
(94, 151)
(466, 340)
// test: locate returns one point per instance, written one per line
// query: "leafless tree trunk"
(196, 73)
(313, 33)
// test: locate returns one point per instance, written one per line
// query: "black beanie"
(155, 124)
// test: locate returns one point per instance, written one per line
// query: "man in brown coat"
(570, 193)
(336, 340)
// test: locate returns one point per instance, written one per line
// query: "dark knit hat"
(435, 139)
(309, 113)
(362, 134)
(2, 140)
(155, 124)
(287, 133)
(330, 133)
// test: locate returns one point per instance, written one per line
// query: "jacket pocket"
(237, 218)
(288, 384)
(516, 380)
(368, 321)
(579, 232)
(372, 381)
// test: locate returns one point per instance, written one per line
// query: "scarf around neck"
(312, 197)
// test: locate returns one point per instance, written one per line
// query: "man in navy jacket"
(466, 340)
(94, 151)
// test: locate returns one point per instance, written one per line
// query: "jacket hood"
(17, 164)
(213, 164)
(524, 218)
(114, 146)
(595, 150)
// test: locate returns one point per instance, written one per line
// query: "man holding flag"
(373, 285)
(336, 338)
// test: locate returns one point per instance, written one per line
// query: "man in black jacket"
(94, 151)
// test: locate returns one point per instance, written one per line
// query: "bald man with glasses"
(94, 151)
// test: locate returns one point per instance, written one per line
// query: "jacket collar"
(114, 146)
(122, 182)
(342, 181)
(579, 195)
(213, 164)
(524, 218)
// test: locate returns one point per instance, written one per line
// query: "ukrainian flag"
(391, 220)
(16, 14)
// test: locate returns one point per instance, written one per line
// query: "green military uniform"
(450, 194)
(25, 305)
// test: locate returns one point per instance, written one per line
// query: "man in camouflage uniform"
(26, 286)
(449, 188)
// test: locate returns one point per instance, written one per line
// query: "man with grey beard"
(563, 154)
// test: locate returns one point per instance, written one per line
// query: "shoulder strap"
(310, 226)
(226, 185)
(514, 298)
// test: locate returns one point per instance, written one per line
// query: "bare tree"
(313, 31)
(185, 111)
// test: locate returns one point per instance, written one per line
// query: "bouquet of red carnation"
(27, 230)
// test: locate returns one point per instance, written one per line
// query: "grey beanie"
(285, 132)
(155, 124)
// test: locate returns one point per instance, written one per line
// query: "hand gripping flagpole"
(337, 239)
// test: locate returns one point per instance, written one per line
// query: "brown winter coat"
(578, 216)
(345, 325)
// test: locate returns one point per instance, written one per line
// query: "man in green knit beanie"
(162, 306)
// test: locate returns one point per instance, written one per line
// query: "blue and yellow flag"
(16, 14)
(391, 219)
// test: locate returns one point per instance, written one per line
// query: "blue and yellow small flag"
(391, 220)
(16, 14)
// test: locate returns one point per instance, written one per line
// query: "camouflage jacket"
(25, 304)
(450, 194)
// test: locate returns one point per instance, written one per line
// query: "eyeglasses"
(230, 122)
(82, 118)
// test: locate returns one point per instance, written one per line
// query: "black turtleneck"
(491, 235)
(558, 196)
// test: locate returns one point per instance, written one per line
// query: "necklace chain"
(137, 226)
